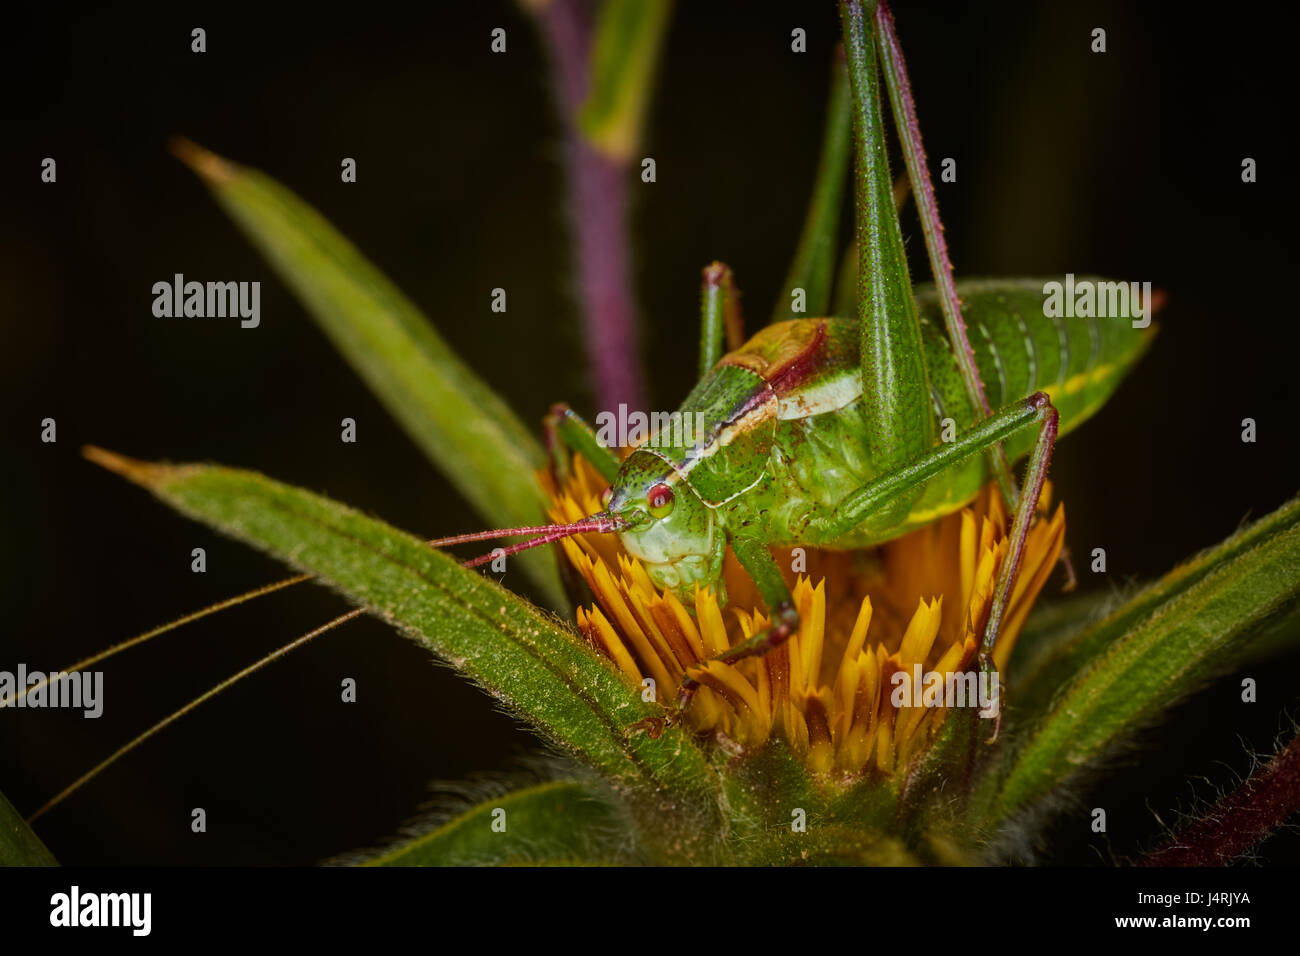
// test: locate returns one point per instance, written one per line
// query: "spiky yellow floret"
(922, 599)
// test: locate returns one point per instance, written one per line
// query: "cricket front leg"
(566, 431)
(766, 575)
(721, 321)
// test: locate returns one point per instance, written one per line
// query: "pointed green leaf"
(1130, 667)
(449, 412)
(629, 34)
(1041, 675)
(553, 823)
(19, 844)
(528, 659)
(1054, 625)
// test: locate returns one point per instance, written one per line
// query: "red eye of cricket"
(660, 500)
(606, 495)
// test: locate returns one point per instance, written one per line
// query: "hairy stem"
(1241, 819)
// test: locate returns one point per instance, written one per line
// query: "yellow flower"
(922, 599)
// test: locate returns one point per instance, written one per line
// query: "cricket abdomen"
(819, 450)
(1019, 350)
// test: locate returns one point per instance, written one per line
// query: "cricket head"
(666, 525)
(658, 516)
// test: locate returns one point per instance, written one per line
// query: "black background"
(1126, 164)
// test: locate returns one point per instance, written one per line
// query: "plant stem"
(598, 211)
(1241, 819)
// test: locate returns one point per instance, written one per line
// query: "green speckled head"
(674, 534)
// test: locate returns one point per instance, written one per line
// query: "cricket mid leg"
(907, 482)
(762, 568)
(721, 323)
(1035, 475)
(567, 431)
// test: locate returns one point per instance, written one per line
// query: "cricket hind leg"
(1035, 475)
(762, 568)
(894, 68)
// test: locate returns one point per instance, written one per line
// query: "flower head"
(920, 600)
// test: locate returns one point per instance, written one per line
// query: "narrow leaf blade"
(629, 34)
(1141, 659)
(464, 428)
(553, 823)
(813, 266)
(524, 657)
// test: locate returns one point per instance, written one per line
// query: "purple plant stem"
(1241, 819)
(598, 214)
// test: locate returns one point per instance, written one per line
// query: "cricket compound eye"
(606, 496)
(660, 500)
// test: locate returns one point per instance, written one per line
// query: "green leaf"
(1130, 667)
(19, 844)
(528, 659)
(554, 823)
(1045, 673)
(629, 34)
(1053, 626)
(449, 412)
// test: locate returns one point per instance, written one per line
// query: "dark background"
(1125, 164)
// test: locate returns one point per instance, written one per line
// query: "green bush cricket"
(838, 432)
(824, 432)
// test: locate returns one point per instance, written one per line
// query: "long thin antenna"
(600, 523)
(597, 523)
(130, 642)
(594, 523)
(177, 715)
